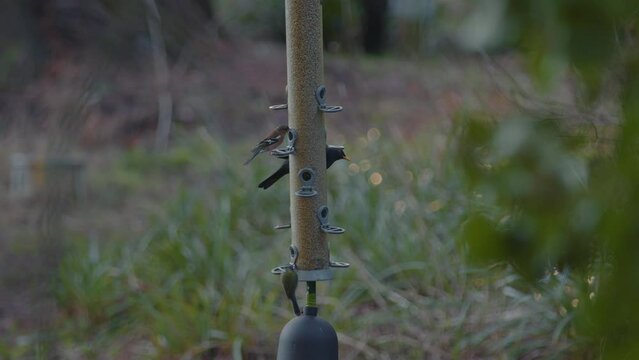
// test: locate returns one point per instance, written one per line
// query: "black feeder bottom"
(308, 337)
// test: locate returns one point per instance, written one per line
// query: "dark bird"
(289, 282)
(332, 155)
(272, 141)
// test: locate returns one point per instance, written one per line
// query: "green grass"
(196, 282)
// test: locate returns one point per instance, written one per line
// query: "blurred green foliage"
(589, 35)
(546, 201)
(533, 187)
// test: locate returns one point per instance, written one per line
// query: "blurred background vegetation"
(490, 206)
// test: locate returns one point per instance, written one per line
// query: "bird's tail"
(254, 153)
(296, 307)
(273, 178)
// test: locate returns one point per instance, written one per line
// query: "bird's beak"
(346, 158)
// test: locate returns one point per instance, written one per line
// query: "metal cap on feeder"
(308, 337)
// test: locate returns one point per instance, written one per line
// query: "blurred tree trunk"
(36, 34)
(162, 76)
(202, 9)
(207, 7)
(69, 23)
(374, 25)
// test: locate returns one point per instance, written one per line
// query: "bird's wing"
(269, 141)
(262, 145)
(254, 153)
(283, 170)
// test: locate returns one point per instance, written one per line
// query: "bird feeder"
(307, 336)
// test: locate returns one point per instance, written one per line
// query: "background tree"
(374, 25)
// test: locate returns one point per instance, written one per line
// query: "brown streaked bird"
(332, 155)
(272, 141)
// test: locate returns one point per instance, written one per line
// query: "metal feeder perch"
(320, 96)
(322, 214)
(290, 148)
(279, 107)
(307, 177)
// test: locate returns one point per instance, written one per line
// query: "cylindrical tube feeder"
(305, 75)
(307, 336)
